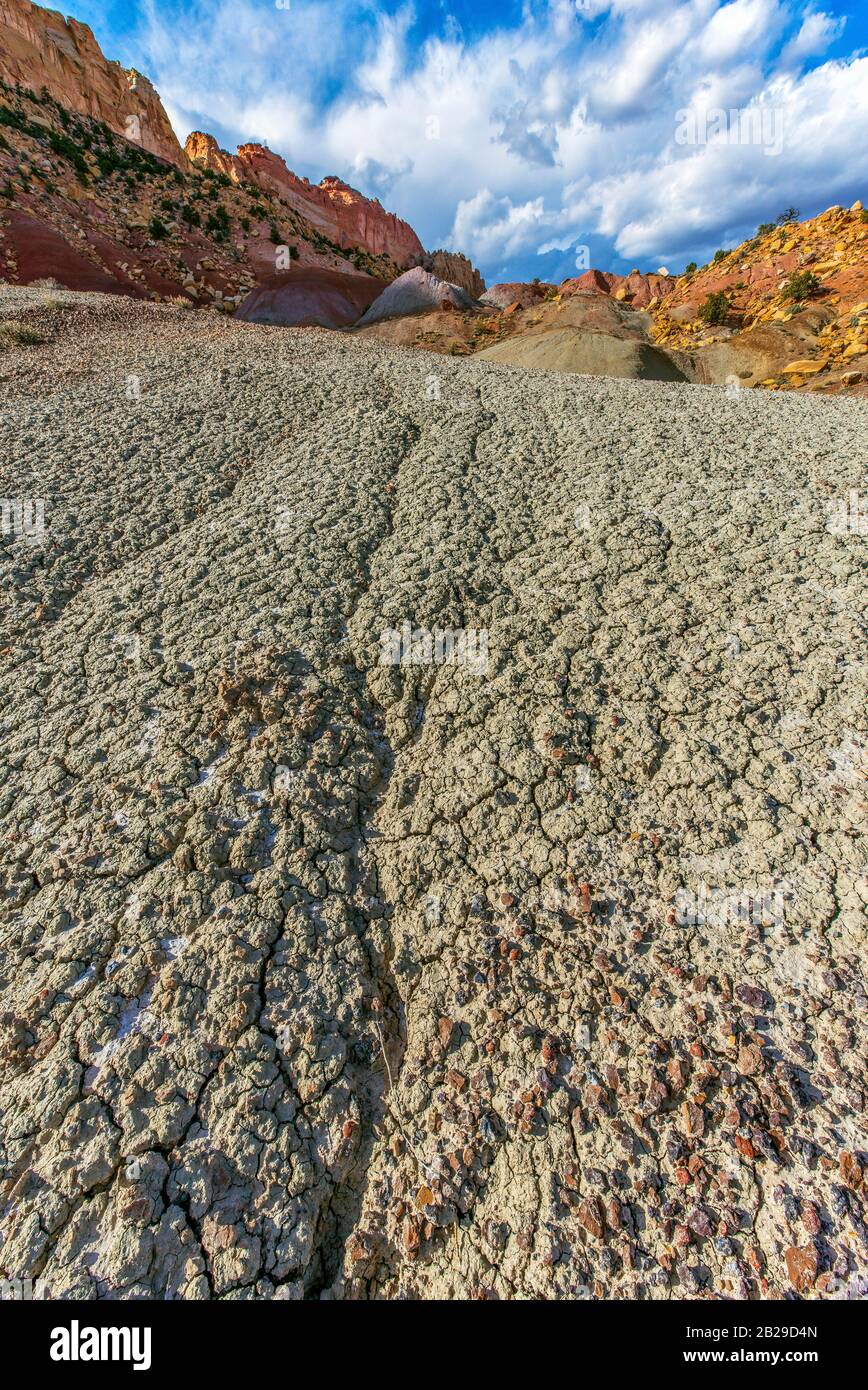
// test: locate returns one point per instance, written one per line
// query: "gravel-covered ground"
(533, 975)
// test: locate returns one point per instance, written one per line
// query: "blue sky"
(533, 136)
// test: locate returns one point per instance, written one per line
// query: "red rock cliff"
(39, 48)
(335, 209)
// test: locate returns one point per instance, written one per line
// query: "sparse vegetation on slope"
(169, 229)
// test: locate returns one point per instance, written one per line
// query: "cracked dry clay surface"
(327, 978)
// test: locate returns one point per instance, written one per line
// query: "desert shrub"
(218, 223)
(109, 162)
(801, 285)
(719, 256)
(788, 215)
(764, 228)
(157, 229)
(714, 308)
(690, 269)
(19, 334)
(69, 149)
(274, 235)
(11, 116)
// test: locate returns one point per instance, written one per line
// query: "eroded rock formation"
(456, 269)
(416, 292)
(340, 213)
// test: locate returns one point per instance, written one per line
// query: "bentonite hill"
(526, 968)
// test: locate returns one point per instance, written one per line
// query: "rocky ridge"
(803, 284)
(76, 101)
(86, 208)
(787, 310)
(336, 210)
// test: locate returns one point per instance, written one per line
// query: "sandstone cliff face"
(336, 210)
(39, 48)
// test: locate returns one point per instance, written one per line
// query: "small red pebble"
(682, 1177)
